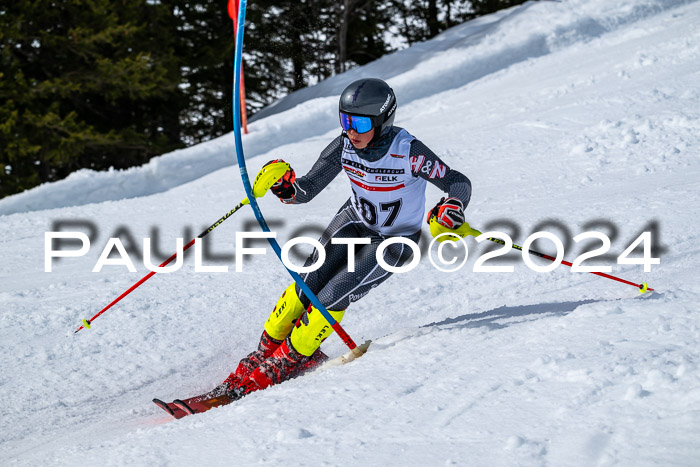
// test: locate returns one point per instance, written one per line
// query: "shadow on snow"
(490, 318)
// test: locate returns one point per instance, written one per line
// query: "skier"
(388, 169)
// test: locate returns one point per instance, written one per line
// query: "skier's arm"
(430, 167)
(321, 174)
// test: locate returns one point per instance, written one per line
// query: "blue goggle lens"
(357, 123)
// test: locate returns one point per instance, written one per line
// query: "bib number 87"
(370, 214)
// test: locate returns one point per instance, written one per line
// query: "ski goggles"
(358, 123)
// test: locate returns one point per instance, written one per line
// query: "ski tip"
(163, 406)
(183, 405)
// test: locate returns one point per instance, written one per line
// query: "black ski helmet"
(370, 97)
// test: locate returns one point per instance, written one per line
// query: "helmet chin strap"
(376, 137)
(378, 134)
(376, 148)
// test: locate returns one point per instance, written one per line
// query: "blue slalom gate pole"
(249, 189)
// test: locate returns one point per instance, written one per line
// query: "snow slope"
(582, 114)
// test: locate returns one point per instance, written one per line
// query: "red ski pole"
(465, 229)
(643, 287)
(263, 181)
(88, 322)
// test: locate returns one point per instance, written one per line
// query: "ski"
(217, 397)
(199, 404)
(182, 407)
(172, 409)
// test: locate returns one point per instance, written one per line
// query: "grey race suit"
(398, 166)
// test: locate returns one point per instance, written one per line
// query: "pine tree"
(83, 84)
(204, 45)
(99, 83)
(485, 7)
(420, 20)
(367, 21)
(285, 47)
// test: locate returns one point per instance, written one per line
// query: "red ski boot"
(274, 370)
(266, 348)
(286, 363)
(308, 364)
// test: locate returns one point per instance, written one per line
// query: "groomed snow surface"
(567, 116)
